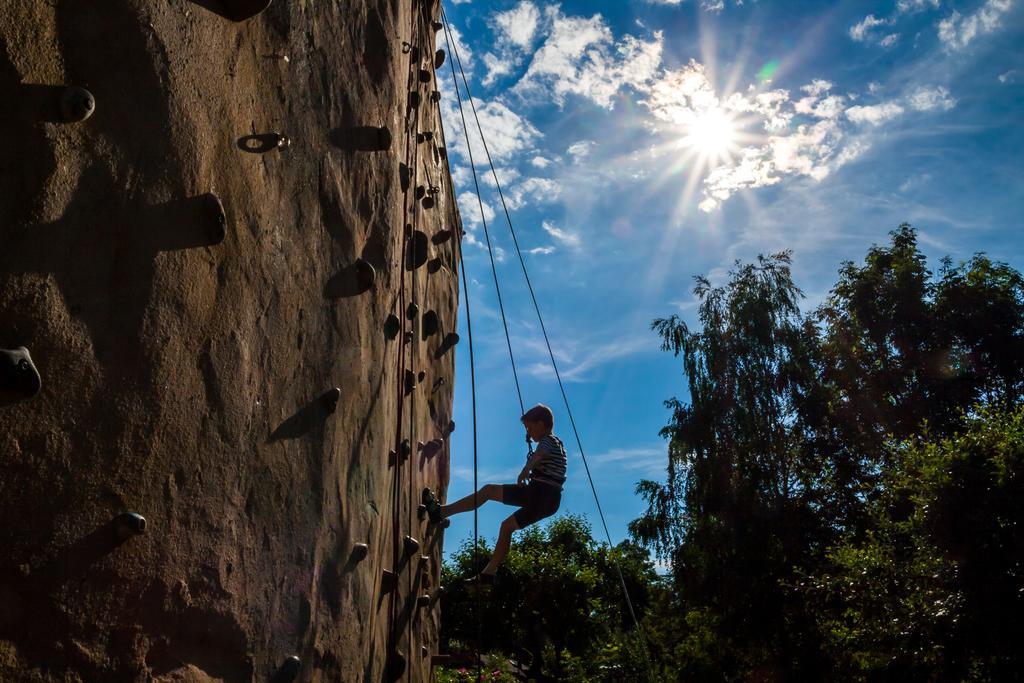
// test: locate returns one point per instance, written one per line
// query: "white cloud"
(508, 133)
(956, 31)
(579, 56)
(574, 366)
(927, 99)
(541, 250)
(910, 6)
(580, 150)
(862, 29)
(458, 44)
(497, 66)
(532, 190)
(889, 40)
(514, 33)
(818, 86)
(519, 24)
(569, 239)
(651, 460)
(540, 162)
(874, 114)
(469, 207)
(1009, 76)
(505, 175)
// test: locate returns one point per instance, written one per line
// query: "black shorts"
(535, 501)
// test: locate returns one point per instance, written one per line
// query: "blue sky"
(642, 142)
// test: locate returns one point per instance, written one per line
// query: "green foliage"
(822, 515)
(556, 603)
(935, 587)
(498, 670)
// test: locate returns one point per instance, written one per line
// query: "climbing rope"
(483, 220)
(457, 239)
(533, 297)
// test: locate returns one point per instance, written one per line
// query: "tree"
(734, 515)
(557, 601)
(778, 459)
(933, 590)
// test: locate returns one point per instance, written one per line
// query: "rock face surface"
(213, 214)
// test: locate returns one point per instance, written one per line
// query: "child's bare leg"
(502, 545)
(467, 503)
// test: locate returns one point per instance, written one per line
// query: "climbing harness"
(456, 60)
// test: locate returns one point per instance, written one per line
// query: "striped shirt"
(551, 468)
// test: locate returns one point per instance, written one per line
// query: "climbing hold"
(76, 104)
(420, 445)
(414, 99)
(425, 76)
(388, 581)
(330, 400)
(439, 59)
(283, 141)
(404, 176)
(424, 651)
(408, 337)
(392, 457)
(430, 323)
(383, 139)
(423, 601)
(434, 265)
(425, 136)
(421, 376)
(416, 250)
(360, 551)
(428, 202)
(406, 48)
(433, 505)
(412, 310)
(365, 274)
(436, 25)
(435, 97)
(451, 426)
(424, 558)
(438, 383)
(449, 342)
(392, 326)
(240, 10)
(19, 378)
(408, 230)
(288, 671)
(445, 523)
(442, 152)
(421, 512)
(421, 192)
(442, 236)
(411, 545)
(406, 449)
(432, 448)
(410, 381)
(129, 524)
(217, 227)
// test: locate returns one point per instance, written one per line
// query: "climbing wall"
(228, 243)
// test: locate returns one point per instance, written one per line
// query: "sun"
(712, 134)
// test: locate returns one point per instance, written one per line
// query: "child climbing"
(536, 500)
